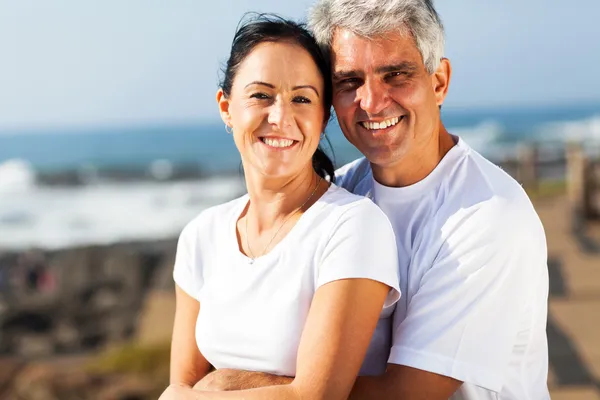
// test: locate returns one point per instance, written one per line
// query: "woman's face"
(276, 109)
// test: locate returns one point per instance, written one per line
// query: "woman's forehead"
(279, 63)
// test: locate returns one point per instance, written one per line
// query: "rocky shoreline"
(61, 309)
(76, 299)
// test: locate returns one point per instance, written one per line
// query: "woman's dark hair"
(255, 29)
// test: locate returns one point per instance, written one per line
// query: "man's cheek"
(343, 103)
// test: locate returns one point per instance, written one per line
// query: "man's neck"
(418, 164)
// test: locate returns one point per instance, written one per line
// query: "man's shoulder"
(479, 195)
(483, 182)
(355, 176)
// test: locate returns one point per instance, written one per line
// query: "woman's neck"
(272, 200)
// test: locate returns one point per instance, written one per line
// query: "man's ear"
(223, 103)
(441, 80)
(326, 120)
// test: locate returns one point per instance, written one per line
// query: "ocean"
(104, 210)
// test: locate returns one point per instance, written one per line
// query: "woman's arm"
(188, 365)
(341, 321)
(338, 331)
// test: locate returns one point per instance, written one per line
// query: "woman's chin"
(280, 172)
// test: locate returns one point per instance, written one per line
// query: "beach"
(574, 267)
(88, 239)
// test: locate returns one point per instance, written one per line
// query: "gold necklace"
(252, 257)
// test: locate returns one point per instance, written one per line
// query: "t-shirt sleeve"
(464, 317)
(186, 272)
(362, 245)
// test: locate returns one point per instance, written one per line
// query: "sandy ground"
(574, 305)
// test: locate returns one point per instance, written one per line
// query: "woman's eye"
(302, 99)
(259, 95)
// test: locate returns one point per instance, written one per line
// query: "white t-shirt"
(473, 275)
(252, 315)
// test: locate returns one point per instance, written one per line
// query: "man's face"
(385, 100)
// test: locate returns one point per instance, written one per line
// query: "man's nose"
(373, 97)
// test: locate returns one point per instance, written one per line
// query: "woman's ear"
(223, 103)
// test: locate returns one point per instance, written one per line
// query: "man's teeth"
(382, 124)
(278, 142)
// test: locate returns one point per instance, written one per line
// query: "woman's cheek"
(311, 121)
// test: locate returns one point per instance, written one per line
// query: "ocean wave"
(104, 209)
(16, 176)
(58, 217)
(482, 137)
(583, 130)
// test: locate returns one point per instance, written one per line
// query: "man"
(472, 318)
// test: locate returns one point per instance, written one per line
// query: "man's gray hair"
(371, 18)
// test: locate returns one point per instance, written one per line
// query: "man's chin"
(381, 156)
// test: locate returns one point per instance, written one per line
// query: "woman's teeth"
(382, 124)
(278, 142)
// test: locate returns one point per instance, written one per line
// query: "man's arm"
(405, 383)
(399, 382)
(232, 379)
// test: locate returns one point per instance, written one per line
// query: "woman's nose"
(280, 115)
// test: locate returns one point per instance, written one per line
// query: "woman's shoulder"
(218, 214)
(349, 205)
(342, 199)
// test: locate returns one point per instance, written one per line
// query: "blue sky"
(68, 62)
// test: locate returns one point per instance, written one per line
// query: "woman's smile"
(277, 143)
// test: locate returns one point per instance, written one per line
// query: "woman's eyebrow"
(273, 86)
(306, 87)
(260, 83)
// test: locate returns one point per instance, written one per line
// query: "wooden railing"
(583, 180)
(574, 165)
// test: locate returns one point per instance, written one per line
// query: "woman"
(291, 278)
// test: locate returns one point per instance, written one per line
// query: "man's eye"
(397, 74)
(259, 95)
(348, 83)
(301, 99)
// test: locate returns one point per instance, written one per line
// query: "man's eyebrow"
(260, 83)
(407, 67)
(337, 75)
(306, 87)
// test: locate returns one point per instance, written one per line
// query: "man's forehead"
(350, 50)
(387, 39)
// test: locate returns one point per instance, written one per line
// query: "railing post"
(593, 187)
(577, 185)
(527, 169)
